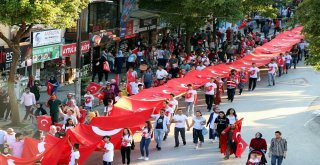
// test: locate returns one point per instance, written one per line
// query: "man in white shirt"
(190, 99)
(222, 30)
(180, 121)
(70, 114)
(200, 66)
(10, 138)
(160, 56)
(108, 151)
(287, 60)
(210, 90)
(134, 86)
(173, 103)
(28, 99)
(161, 73)
(273, 67)
(161, 125)
(88, 101)
(254, 73)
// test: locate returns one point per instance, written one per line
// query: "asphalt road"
(286, 107)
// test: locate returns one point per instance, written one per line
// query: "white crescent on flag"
(44, 121)
(41, 147)
(240, 143)
(100, 132)
(93, 88)
(10, 162)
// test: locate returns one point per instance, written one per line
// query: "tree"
(24, 14)
(308, 14)
(192, 14)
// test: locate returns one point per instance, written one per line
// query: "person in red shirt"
(258, 143)
(232, 83)
(229, 32)
(219, 91)
(280, 63)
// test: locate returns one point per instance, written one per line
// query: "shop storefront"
(69, 60)
(46, 63)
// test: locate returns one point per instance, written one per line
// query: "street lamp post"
(78, 62)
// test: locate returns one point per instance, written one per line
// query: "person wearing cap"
(108, 94)
(272, 70)
(210, 90)
(190, 99)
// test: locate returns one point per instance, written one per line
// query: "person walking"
(126, 142)
(180, 121)
(260, 144)
(54, 106)
(242, 80)
(212, 130)
(75, 153)
(28, 100)
(190, 99)
(220, 124)
(254, 76)
(232, 83)
(278, 149)
(109, 94)
(220, 89)
(147, 78)
(108, 150)
(231, 115)
(288, 60)
(145, 140)
(295, 56)
(198, 123)
(161, 125)
(210, 90)
(280, 63)
(273, 67)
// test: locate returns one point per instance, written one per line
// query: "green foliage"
(308, 14)
(53, 13)
(261, 6)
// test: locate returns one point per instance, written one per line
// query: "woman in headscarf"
(258, 143)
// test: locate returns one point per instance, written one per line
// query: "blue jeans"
(276, 160)
(144, 144)
(190, 106)
(147, 84)
(271, 79)
(213, 134)
(158, 136)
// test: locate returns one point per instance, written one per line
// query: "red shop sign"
(71, 49)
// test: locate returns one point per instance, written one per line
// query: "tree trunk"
(188, 42)
(11, 82)
(214, 34)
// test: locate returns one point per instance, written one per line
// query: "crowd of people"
(157, 65)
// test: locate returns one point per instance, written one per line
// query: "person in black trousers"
(221, 123)
(126, 143)
(254, 74)
(96, 69)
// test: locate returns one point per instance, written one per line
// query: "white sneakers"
(196, 146)
(143, 158)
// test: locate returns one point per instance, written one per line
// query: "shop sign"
(6, 57)
(71, 49)
(129, 30)
(45, 53)
(47, 37)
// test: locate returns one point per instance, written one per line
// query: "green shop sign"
(45, 53)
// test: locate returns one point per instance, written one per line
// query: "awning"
(140, 14)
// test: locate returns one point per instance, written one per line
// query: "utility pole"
(78, 62)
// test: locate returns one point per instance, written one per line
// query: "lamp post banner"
(128, 6)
